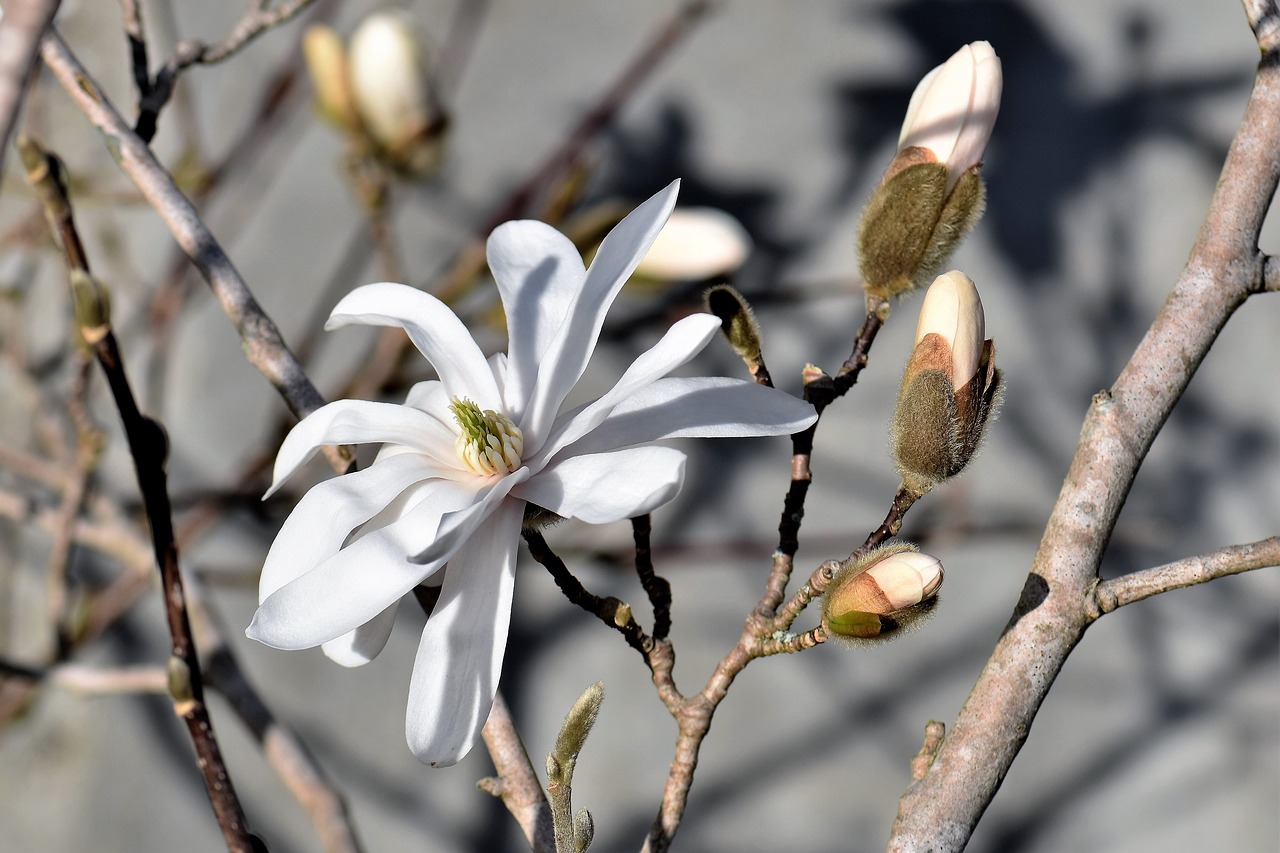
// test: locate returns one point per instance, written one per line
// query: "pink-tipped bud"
(877, 592)
(949, 390)
(932, 193)
(953, 109)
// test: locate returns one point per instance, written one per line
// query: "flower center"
(488, 443)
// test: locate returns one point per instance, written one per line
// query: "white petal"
(567, 356)
(360, 422)
(682, 342)
(358, 647)
(429, 396)
(326, 515)
(460, 656)
(539, 275)
(604, 487)
(698, 407)
(434, 329)
(361, 580)
(937, 113)
(455, 527)
(980, 118)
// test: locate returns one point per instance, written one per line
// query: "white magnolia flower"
(465, 454)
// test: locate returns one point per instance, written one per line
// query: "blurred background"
(1160, 735)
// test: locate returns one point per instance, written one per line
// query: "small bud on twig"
(949, 390)
(932, 194)
(881, 591)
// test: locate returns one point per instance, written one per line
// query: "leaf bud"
(91, 303)
(878, 592)
(737, 321)
(949, 389)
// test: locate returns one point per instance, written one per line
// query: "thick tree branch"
(939, 812)
(516, 784)
(1117, 592)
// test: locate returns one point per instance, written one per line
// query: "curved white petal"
(568, 353)
(361, 422)
(358, 647)
(682, 342)
(326, 515)
(363, 579)
(604, 487)
(696, 407)
(455, 527)
(434, 329)
(460, 655)
(431, 397)
(539, 274)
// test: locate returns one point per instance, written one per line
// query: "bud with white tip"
(388, 69)
(881, 591)
(697, 243)
(932, 193)
(949, 389)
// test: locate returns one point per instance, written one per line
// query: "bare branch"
(21, 29)
(260, 339)
(940, 811)
(516, 783)
(148, 446)
(1117, 592)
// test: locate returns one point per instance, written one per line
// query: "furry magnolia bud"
(880, 591)
(737, 321)
(932, 194)
(949, 389)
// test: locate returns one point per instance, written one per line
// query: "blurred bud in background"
(377, 90)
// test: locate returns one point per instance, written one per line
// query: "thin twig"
(611, 611)
(23, 25)
(657, 588)
(1111, 594)
(148, 445)
(156, 93)
(261, 340)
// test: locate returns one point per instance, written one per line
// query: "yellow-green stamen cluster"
(488, 443)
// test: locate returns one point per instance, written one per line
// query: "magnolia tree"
(447, 467)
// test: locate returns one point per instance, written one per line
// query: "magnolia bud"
(697, 243)
(949, 389)
(880, 591)
(387, 62)
(953, 110)
(327, 64)
(932, 194)
(737, 321)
